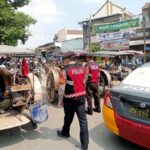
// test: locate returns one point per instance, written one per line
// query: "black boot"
(84, 147)
(97, 110)
(89, 111)
(61, 134)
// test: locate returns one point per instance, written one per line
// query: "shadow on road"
(10, 137)
(16, 135)
(109, 141)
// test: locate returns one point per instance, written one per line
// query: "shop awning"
(138, 42)
(117, 53)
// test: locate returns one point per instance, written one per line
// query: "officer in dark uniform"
(92, 84)
(74, 99)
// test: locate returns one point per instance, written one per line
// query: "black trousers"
(2, 87)
(72, 106)
(2, 84)
(93, 91)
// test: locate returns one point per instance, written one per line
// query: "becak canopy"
(12, 50)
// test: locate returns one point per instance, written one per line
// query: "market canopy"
(14, 51)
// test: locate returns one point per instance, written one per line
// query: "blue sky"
(53, 15)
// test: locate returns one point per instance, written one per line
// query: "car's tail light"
(107, 100)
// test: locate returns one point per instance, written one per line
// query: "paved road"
(45, 137)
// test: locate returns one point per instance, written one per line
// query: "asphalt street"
(44, 137)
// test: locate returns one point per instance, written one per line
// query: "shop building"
(141, 40)
(108, 13)
(67, 34)
(65, 40)
(75, 45)
(115, 28)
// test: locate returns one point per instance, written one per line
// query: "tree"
(14, 25)
(95, 47)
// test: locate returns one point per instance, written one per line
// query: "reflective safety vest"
(94, 70)
(75, 85)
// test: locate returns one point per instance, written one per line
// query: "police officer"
(74, 99)
(92, 84)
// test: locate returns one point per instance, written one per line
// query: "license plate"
(138, 112)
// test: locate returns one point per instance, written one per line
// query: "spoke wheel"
(50, 86)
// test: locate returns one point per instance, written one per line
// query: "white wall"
(73, 36)
(62, 35)
(72, 45)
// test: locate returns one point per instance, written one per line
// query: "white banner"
(103, 37)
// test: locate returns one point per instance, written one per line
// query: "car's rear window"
(139, 77)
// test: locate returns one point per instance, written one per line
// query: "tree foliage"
(95, 47)
(18, 3)
(14, 25)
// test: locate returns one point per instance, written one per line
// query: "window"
(139, 77)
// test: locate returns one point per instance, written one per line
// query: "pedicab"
(52, 83)
(17, 92)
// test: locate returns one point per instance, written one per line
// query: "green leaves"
(14, 25)
(18, 3)
(95, 47)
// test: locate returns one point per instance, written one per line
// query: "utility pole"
(90, 34)
(144, 30)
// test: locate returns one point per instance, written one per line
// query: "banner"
(121, 44)
(100, 37)
(117, 26)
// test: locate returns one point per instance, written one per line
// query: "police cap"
(89, 55)
(69, 54)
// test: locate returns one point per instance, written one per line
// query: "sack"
(39, 113)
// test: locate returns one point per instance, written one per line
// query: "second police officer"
(92, 85)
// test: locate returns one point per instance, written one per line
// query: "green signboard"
(117, 26)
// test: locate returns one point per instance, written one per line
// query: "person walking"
(92, 85)
(74, 99)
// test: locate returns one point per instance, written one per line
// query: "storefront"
(138, 45)
(116, 36)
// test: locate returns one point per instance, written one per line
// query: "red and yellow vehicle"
(126, 109)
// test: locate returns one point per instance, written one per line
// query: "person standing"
(74, 99)
(92, 85)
